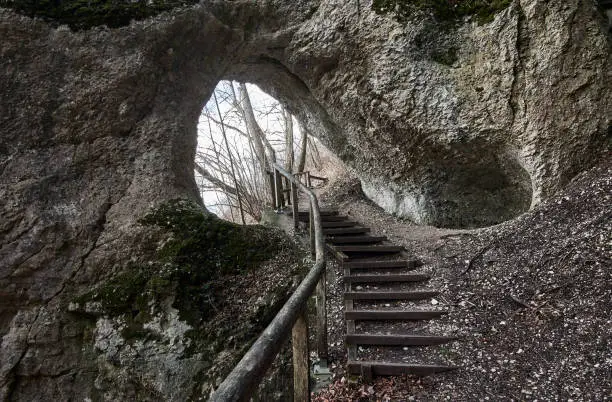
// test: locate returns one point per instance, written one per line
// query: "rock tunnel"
(98, 126)
(468, 144)
(462, 184)
(443, 146)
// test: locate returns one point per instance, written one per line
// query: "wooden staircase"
(368, 261)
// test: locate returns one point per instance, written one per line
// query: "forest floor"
(529, 299)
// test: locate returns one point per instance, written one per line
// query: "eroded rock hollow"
(456, 125)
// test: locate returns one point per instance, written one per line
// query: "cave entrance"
(464, 184)
(242, 128)
(241, 131)
(269, 114)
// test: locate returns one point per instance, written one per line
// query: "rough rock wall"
(461, 126)
(456, 126)
(97, 127)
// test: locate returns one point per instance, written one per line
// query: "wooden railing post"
(241, 383)
(286, 182)
(322, 317)
(277, 190)
(272, 189)
(294, 205)
(311, 233)
(281, 191)
(301, 367)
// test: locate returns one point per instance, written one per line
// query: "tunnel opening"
(462, 184)
(242, 130)
(281, 121)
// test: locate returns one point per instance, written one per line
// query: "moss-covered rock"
(201, 249)
(444, 10)
(203, 244)
(185, 304)
(84, 14)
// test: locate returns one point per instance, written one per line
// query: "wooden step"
(333, 218)
(409, 264)
(338, 255)
(324, 218)
(397, 340)
(386, 278)
(383, 315)
(323, 212)
(341, 224)
(391, 295)
(345, 231)
(374, 368)
(375, 249)
(355, 239)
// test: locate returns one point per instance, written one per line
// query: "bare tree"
(288, 120)
(239, 150)
(253, 127)
(231, 160)
(301, 160)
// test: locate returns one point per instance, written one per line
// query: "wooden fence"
(243, 380)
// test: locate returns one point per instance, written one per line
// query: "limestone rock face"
(462, 125)
(94, 133)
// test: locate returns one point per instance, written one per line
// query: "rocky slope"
(450, 124)
(529, 301)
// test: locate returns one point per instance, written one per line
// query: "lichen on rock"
(85, 14)
(405, 10)
(162, 321)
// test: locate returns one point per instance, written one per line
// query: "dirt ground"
(529, 299)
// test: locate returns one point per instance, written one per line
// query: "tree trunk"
(288, 139)
(253, 128)
(301, 160)
(229, 153)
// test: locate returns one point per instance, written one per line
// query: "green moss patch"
(119, 294)
(191, 264)
(84, 14)
(204, 245)
(226, 281)
(443, 10)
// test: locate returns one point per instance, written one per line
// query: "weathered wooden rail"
(242, 381)
(306, 178)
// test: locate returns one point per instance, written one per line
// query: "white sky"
(271, 123)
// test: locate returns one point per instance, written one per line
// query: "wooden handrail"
(310, 177)
(318, 178)
(241, 382)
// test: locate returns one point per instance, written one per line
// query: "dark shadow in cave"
(476, 187)
(462, 185)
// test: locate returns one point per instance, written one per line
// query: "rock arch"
(98, 126)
